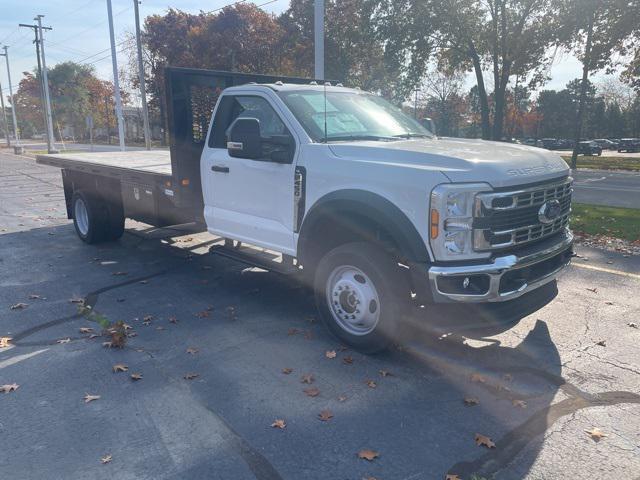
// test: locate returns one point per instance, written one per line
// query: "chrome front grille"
(505, 219)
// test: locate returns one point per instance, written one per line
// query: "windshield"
(350, 116)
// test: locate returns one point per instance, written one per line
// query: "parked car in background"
(589, 148)
(564, 144)
(548, 143)
(629, 145)
(606, 144)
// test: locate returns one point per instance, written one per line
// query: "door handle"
(220, 168)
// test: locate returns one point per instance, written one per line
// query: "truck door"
(249, 199)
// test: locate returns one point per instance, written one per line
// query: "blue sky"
(80, 31)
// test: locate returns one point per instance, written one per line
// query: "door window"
(245, 106)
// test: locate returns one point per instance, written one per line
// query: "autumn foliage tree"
(75, 93)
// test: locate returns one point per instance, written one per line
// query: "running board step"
(255, 257)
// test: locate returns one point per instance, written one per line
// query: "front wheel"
(362, 295)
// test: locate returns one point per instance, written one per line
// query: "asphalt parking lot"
(213, 339)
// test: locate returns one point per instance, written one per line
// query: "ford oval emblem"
(549, 211)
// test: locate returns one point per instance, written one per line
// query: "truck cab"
(378, 210)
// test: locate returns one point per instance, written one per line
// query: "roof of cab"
(289, 87)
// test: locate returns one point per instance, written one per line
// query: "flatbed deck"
(123, 165)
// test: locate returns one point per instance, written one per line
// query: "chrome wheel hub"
(81, 216)
(353, 300)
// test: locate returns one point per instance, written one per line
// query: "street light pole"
(45, 87)
(318, 29)
(143, 93)
(13, 100)
(116, 83)
(4, 118)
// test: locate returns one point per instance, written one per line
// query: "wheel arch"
(358, 215)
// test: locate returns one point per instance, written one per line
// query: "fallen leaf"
(173, 320)
(136, 376)
(33, 296)
(471, 401)
(602, 343)
(90, 398)
(630, 324)
(192, 350)
(18, 306)
(159, 327)
(325, 415)
(519, 403)
(107, 344)
(483, 440)
(594, 290)
(119, 367)
(330, 354)
(86, 330)
(596, 433)
(79, 301)
(119, 274)
(385, 373)
(293, 331)
(63, 340)
(342, 398)
(368, 454)
(279, 423)
(287, 371)
(311, 392)
(12, 387)
(348, 360)
(608, 303)
(203, 314)
(307, 378)
(106, 459)
(476, 377)
(507, 377)
(371, 383)
(146, 320)
(143, 282)
(452, 476)
(191, 376)
(5, 342)
(93, 335)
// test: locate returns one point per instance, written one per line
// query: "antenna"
(325, 111)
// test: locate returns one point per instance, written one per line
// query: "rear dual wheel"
(362, 295)
(95, 220)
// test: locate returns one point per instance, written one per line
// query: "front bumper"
(506, 277)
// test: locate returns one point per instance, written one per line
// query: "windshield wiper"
(341, 138)
(412, 135)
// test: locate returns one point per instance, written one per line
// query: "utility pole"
(116, 83)
(45, 81)
(13, 100)
(36, 31)
(318, 29)
(143, 92)
(4, 118)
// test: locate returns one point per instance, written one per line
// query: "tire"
(360, 273)
(90, 217)
(115, 225)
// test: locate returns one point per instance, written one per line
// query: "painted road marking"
(606, 270)
(19, 358)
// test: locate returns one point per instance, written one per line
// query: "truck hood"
(461, 160)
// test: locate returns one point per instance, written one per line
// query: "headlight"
(451, 222)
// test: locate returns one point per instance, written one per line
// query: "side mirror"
(279, 148)
(429, 124)
(243, 139)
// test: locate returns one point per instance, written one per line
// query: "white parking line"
(18, 358)
(606, 270)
